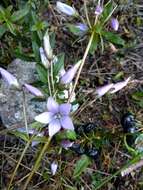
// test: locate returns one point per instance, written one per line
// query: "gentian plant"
(59, 84)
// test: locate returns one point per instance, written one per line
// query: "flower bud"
(47, 47)
(33, 90)
(114, 24)
(44, 59)
(66, 9)
(11, 80)
(98, 10)
(69, 75)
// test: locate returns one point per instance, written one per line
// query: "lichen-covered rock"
(11, 101)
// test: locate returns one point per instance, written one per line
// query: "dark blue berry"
(89, 127)
(92, 152)
(77, 149)
(128, 123)
(85, 128)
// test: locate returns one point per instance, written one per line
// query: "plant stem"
(52, 78)
(49, 85)
(24, 113)
(37, 163)
(82, 64)
(19, 162)
(86, 14)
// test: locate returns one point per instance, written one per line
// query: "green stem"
(52, 78)
(24, 113)
(49, 85)
(19, 162)
(37, 163)
(82, 64)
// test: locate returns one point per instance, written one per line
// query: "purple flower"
(98, 10)
(11, 80)
(114, 24)
(33, 90)
(66, 144)
(66, 9)
(54, 167)
(103, 90)
(82, 27)
(57, 117)
(69, 75)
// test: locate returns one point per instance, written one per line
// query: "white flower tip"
(54, 167)
(47, 46)
(11, 80)
(119, 85)
(66, 9)
(44, 59)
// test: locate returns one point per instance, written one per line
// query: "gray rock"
(11, 101)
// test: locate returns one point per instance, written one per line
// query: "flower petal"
(47, 46)
(64, 109)
(12, 81)
(54, 167)
(66, 9)
(66, 144)
(114, 24)
(52, 105)
(66, 123)
(54, 127)
(103, 90)
(119, 85)
(33, 90)
(98, 10)
(45, 117)
(44, 59)
(69, 75)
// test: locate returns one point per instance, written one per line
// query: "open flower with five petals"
(57, 117)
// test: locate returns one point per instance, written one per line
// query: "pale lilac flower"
(44, 59)
(11, 80)
(103, 90)
(33, 90)
(47, 46)
(69, 75)
(57, 117)
(54, 167)
(119, 85)
(83, 28)
(66, 9)
(114, 24)
(66, 144)
(98, 10)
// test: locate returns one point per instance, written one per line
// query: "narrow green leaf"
(11, 27)
(21, 135)
(137, 96)
(42, 72)
(23, 56)
(94, 44)
(18, 15)
(59, 64)
(81, 165)
(3, 29)
(114, 38)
